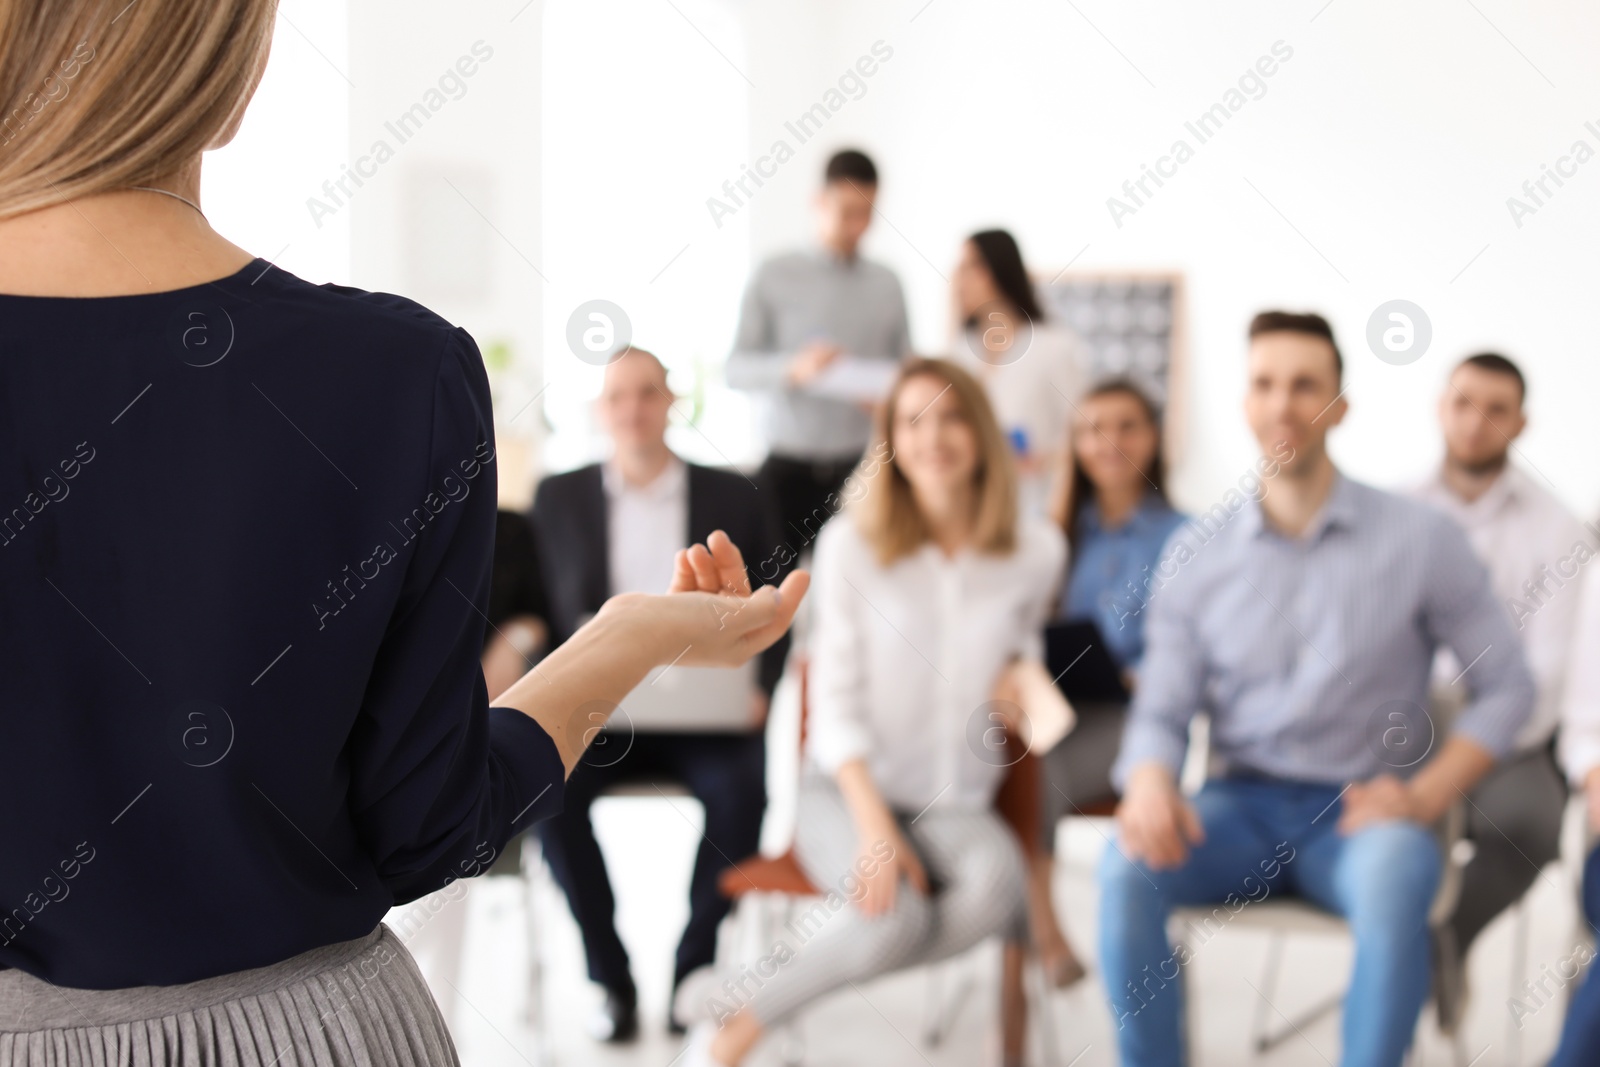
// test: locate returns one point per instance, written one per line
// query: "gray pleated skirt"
(358, 1003)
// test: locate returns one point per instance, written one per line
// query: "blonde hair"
(887, 513)
(97, 96)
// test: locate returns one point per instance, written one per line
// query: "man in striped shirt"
(1305, 628)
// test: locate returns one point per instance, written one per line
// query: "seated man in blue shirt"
(1305, 626)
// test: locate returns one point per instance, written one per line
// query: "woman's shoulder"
(1162, 516)
(390, 329)
(841, 541)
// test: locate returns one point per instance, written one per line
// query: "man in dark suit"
(616, 527)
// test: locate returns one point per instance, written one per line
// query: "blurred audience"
(617, 527)
(802, 313)
(1027, 361)
(927, 591)
(1305, 625)
(1304, 618)
(1523, 534)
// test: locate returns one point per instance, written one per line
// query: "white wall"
(1391, 140)
(644, 117)
(452, 218)
(292, 139)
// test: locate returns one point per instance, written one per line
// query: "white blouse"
(1522, 533)
(904, 658)
(1033, 395)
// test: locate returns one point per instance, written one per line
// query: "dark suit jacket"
(570, 516)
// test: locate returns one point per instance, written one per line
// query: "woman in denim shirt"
(1117, 519)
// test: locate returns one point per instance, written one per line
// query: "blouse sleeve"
(838, 730)
(438, 779)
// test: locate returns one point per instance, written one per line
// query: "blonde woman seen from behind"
(243, 707)
(929, 588)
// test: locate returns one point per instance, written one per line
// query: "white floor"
(649, 844)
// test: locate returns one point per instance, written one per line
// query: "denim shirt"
(1110, 570)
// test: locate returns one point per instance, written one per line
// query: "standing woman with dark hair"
(246, 560)
(1117, 519)
(1027, 361)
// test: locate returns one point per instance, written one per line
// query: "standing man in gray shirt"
(801, 312)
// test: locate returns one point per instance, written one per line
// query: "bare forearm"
(1448, 776)
(861, 796)
(709, 618)
(573, 690)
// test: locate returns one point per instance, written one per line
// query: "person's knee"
(1396, 872)
(882, 942)
(995, 867)
(995, 875)
(1122, 879)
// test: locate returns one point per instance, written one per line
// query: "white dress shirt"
(1580, 710)
(1522, 533)
(905, 658)
(646, 525)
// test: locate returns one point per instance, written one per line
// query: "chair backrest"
(1019, 802)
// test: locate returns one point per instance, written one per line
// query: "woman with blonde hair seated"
(245, 576)
(929, 587)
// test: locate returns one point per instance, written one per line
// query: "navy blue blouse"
(245, 541)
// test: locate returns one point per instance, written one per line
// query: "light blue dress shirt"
(1111, 570)
(1312, 655)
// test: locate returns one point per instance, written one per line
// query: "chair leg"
(1269, 982)
(931, 1006)
(1188, 1018)
(1049, 1047)
(791, 1044)
(939, 1015)
(1519, 971)
(534, 1009)
(1262, 1038)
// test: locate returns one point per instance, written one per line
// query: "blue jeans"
(1580, 1036)
(1264, 838)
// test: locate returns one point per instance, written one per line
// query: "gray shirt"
(809, 296)
(1312, 654)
